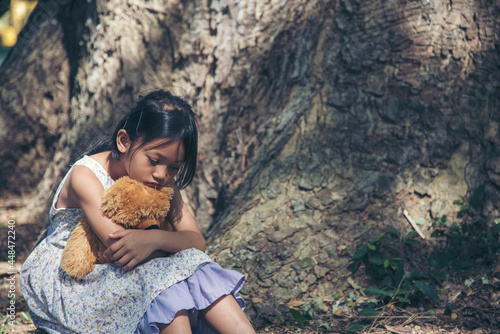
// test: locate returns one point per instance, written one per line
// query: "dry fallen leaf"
(295, 302)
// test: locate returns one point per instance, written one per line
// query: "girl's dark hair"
(161, 115)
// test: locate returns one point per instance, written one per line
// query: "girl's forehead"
(166, 148)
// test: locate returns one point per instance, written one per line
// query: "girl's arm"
(85, 191)
(131, 245)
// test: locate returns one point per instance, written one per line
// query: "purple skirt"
(195, 293)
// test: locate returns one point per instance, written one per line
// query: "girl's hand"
(132, 248)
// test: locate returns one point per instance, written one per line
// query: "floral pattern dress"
(108, 300)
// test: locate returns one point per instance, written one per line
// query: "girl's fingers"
(130, 265)
(112, 250)
(119, 234)
(122, 261)
(130, 249)
(127, 262)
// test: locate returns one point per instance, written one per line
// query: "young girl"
(159, 278)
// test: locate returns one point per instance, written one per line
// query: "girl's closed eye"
(153, 161)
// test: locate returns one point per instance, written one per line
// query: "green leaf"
(459, 201)
(392, 230)
(387, 281)
(352, 296)
(354, 327)
(319, 305)
(298, 317)
(377, 292)
(399, 273)
(477, 196)
(440, 275)
(27, 317)
(427, 290)
(495, 229)
(325, 326)
(371, 246)
(360, 252)
(388, 239)
(369, 312)
(419, 275)
(454, 227)
(377, 239)
(387, 263)
(377, 260)
(411, 234)
(354, 266)
(306, 262)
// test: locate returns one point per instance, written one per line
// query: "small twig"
(405, 212)
(413, 317)
(409, 320)
(385, 307)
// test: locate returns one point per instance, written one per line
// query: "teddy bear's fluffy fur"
(128, 203)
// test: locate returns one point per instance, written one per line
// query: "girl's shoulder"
(92, 168)
(80, 180)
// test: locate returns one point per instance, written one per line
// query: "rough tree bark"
(320, 120)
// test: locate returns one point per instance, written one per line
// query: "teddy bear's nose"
(148, 224)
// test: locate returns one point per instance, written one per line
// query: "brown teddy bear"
(128, 203)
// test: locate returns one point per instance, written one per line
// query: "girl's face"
(153, 164)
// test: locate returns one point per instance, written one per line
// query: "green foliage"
(298, 317)
(385, 268)
(354, 327)
(400, 275)
(386, 259)
(306, 262)
(308, 311)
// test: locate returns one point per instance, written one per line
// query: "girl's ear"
(123, 141)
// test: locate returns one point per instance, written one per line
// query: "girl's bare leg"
(180, 324)
(226, 316)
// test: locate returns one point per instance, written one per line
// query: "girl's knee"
(180, 324)
(226, 316)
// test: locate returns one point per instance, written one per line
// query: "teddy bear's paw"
(77, 270)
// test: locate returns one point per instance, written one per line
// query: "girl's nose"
(161, 174)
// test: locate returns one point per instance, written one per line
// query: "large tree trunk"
(320, 120)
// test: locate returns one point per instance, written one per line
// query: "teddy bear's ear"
(169, 191)
(158, 206)
(121, 203)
